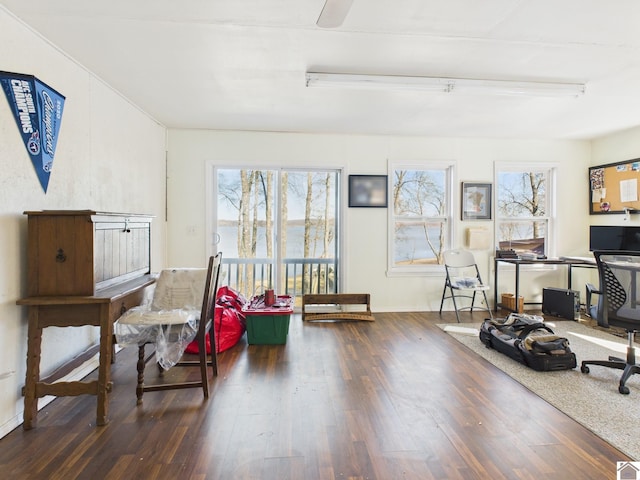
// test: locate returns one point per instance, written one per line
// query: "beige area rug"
(591, 399)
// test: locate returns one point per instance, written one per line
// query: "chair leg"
(444, 292)
(486, 301)
(452, 297)
(473, 301)
(627, 365)
(631, 367)
(214, 354)
(455, 305)
(140, 366)
(628, 371)
(631, 351)
(202, 355)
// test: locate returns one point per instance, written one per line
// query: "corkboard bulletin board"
(614, 187)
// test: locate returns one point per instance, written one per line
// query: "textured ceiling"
(240, 64)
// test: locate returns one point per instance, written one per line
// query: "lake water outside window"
(421, 215)
(278, 229)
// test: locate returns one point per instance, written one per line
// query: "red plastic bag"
(229, 329)
(229, 321)
(229, 298)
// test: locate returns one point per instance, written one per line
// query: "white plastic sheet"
(170, 321)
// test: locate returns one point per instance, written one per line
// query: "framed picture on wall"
(368, 191)
(476, 201)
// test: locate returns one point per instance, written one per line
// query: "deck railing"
(251, 276)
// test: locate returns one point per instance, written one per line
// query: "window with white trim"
(524, 208)
(420, 217)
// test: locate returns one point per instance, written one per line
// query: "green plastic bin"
(267, 329)
(268, 325)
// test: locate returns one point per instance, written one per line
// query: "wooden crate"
(509, 302)
(335, 302)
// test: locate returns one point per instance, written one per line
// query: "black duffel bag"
(528, 340)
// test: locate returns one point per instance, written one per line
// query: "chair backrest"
(458, 258)
(618, 271)
(179, 288)
(210, 292)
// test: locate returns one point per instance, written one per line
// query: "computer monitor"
(605, 237)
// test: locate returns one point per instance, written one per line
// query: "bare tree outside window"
(261, 235)
(420, 214)
(522, 211)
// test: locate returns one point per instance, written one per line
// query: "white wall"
(110, 157)
(365, 254)
(618, 147)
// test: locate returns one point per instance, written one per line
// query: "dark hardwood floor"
(392, 399)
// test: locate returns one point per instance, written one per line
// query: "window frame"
(550, 169)
(212, 237)
(451, 205)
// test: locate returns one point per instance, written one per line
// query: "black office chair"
(618, 271)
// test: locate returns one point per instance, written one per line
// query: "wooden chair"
(172, 321)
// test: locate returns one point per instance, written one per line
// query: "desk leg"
(517, 305)
(495, 285)
(104, 369)
(34, 348)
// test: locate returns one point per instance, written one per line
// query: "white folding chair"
(463, 281)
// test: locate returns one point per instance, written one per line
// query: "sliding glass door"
(277, 229)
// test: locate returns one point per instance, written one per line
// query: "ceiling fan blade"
(333, 13)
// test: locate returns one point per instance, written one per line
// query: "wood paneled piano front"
(84, 268)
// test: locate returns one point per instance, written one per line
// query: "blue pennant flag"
(37, 109)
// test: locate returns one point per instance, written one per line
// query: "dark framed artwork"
(476, 201)
(368, 191)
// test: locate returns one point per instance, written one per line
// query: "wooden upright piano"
(84, 268)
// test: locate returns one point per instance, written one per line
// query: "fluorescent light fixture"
(445, 84)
